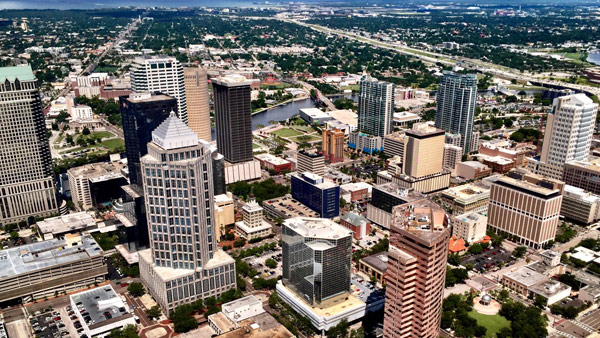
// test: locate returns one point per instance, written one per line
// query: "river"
(594, 57)
(278, 113)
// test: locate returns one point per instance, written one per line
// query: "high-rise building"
(456, 98)
(160, 74)
(375, 106)
(317, 255)
(141, 113)
(394, 144)
(416, 270)
(26, 179)
(253, 225)
(568, 136)
(196, 94)
(184, 262)
(527, 206)
(423, 160)
(233, 118)
(333, 145)
(310, 161)
(452, 156)
(316, 193)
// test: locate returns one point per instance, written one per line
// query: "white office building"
(160, 74)
(253, 224)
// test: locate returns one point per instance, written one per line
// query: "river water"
(594, 57)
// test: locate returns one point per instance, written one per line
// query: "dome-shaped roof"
(486, 298)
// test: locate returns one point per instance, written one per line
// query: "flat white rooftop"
(317, 228)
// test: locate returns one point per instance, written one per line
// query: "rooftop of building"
(23, 73)
(526, 276)
(378, 261)
(317, 228)
(231, 80)
(474, 164)
(315, 180)
(424, 130)
(223, 198)
(148, 97)
(290, 207)
(98, 171)
(471, 217)
(422, 218)
(220, 258)
(345, 116)
(406, 116)
(310, 153)
(103, 305)
(398, 191)
(354, 219)
(499, 160)
(348, 303)
(66, 223)
(260, 326)
(549, 254)
(467, 191)
(456, 244)
(173, 133)
(315, 113)
(222, 321)
(272, 159)
(549, 288)
(356, 186)
(397, 136)
(42, 255)
(535, 184)
(241, 303)
(574, 100)
(580, 194)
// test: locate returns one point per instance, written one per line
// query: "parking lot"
(365, 290)
(49, 325)
(258, 263)
(487, 260)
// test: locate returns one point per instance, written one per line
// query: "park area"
(287, 132)
(493, 323)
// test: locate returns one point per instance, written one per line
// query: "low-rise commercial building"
(356, 192)
(359, 225)
(470, 226)
(103, 310)
(234, 312)
(286, 207)
(498, 164)
(310, 160)
(472, 170)
(579, 205)
(53, 227)
(471, 197)
(394, 144)
(314, 116)
(374, 265)
(96, 183)
(38, 270)
(530, 284)
(274, 163)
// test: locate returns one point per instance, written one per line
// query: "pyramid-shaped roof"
(173, 134)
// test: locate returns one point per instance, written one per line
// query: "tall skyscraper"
(456, 98)
(568, 136)
(141, 113)
(316, 193)
(160, 74)
(527, 206)
(26, 177)
(233, 118)
(317, 256)
(416, 270)
(184, 262)
(196, 93)
(333, 145)
(375, 106)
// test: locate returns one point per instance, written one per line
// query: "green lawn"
(255, 146)
(286, 132)
(309, 138)
(305, 128)
(493, 323)
(102, 134)
(114, 143)
(60, 138)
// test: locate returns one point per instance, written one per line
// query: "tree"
(454, 259)
(519, 251)
(14, 235)
(86, 131)
(340, 330)
(198, 304)
(130, 331)
(271, 263)
(540, 301)
(154, 312)
(475, 249)
(136, 289)
(508, 123)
